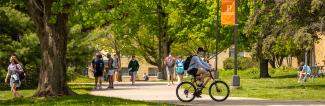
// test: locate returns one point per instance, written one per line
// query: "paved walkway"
(161, 93)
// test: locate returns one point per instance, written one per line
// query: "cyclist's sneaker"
(197, 95)
(201, 85)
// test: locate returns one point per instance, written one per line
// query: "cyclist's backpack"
(187, 62)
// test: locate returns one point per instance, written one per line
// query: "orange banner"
(228, 12)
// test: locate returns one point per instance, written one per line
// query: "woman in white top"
(13, 73)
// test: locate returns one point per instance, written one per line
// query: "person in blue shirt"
(98, 65)
(179, 69)
(304, 73)
(199, 68)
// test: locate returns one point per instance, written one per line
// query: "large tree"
(52, 31)
(281, 28)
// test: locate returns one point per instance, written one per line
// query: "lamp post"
(216, 72)
(235, 83)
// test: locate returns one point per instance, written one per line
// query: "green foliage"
(80, 50)
(14, 22)
(243, 63)
(71, 74)
(284, 28)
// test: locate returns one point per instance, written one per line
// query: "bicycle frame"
(194, 80)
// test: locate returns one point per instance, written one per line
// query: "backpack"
(115, 64)
(21, 73)
(187, 62)
(179, 63)
(99, 65)
(170, 62)
(111, 63)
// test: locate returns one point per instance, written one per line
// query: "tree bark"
(164, 47)
(264, 71)
(272, 62)
(53, 42)
(279, 61)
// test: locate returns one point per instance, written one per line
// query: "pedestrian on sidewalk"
(145, 77)
(116, 64)
(12, 77)
(179, 68)
(98, 65)
(133, 68)
(110, 71)
(169, 62)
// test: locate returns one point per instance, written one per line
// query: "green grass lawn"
(83, 99)
(83, 79)
(282, 86)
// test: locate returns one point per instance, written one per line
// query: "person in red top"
(169, 63)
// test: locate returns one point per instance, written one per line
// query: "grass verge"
(82, 99)
(282, 85)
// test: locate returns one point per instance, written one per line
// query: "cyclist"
(199, 68)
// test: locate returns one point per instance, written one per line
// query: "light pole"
(235, 83)
(216, 72)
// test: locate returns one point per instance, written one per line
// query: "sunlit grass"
(282, 86)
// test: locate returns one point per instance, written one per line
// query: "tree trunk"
(279, 61)
(53, 42)
(264, 71)
(272, 62)
(118, 53)
(164, 47)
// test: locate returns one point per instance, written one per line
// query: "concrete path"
(161, 93)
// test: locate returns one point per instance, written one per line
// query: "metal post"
(216, 72)
(306, 56)
(235, 78)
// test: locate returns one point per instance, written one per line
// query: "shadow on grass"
(316, 87)
(285, 76)
(83, 100)
(244, 102)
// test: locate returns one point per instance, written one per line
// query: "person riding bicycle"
(199, 68)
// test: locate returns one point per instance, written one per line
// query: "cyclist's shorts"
(192, 71)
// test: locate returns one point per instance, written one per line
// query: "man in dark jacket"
(133, 68)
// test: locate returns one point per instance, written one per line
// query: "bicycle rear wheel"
(219, 91)
(185, 91)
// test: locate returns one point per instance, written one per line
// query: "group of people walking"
(109, 70)
(171, 64)
(196, 66)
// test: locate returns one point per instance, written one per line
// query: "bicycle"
(218, 90)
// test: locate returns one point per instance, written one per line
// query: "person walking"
(169, 62)
(110, 71)
(116, 64)
(179, 69)
(133, 68)
(145, 77)
(12, 76)
(98, 65)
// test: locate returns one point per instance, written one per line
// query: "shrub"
(32, 76)
(252, 73)
(243, 63)
(71, 74)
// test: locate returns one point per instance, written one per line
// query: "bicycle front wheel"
(185, 91)
(219, 91)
